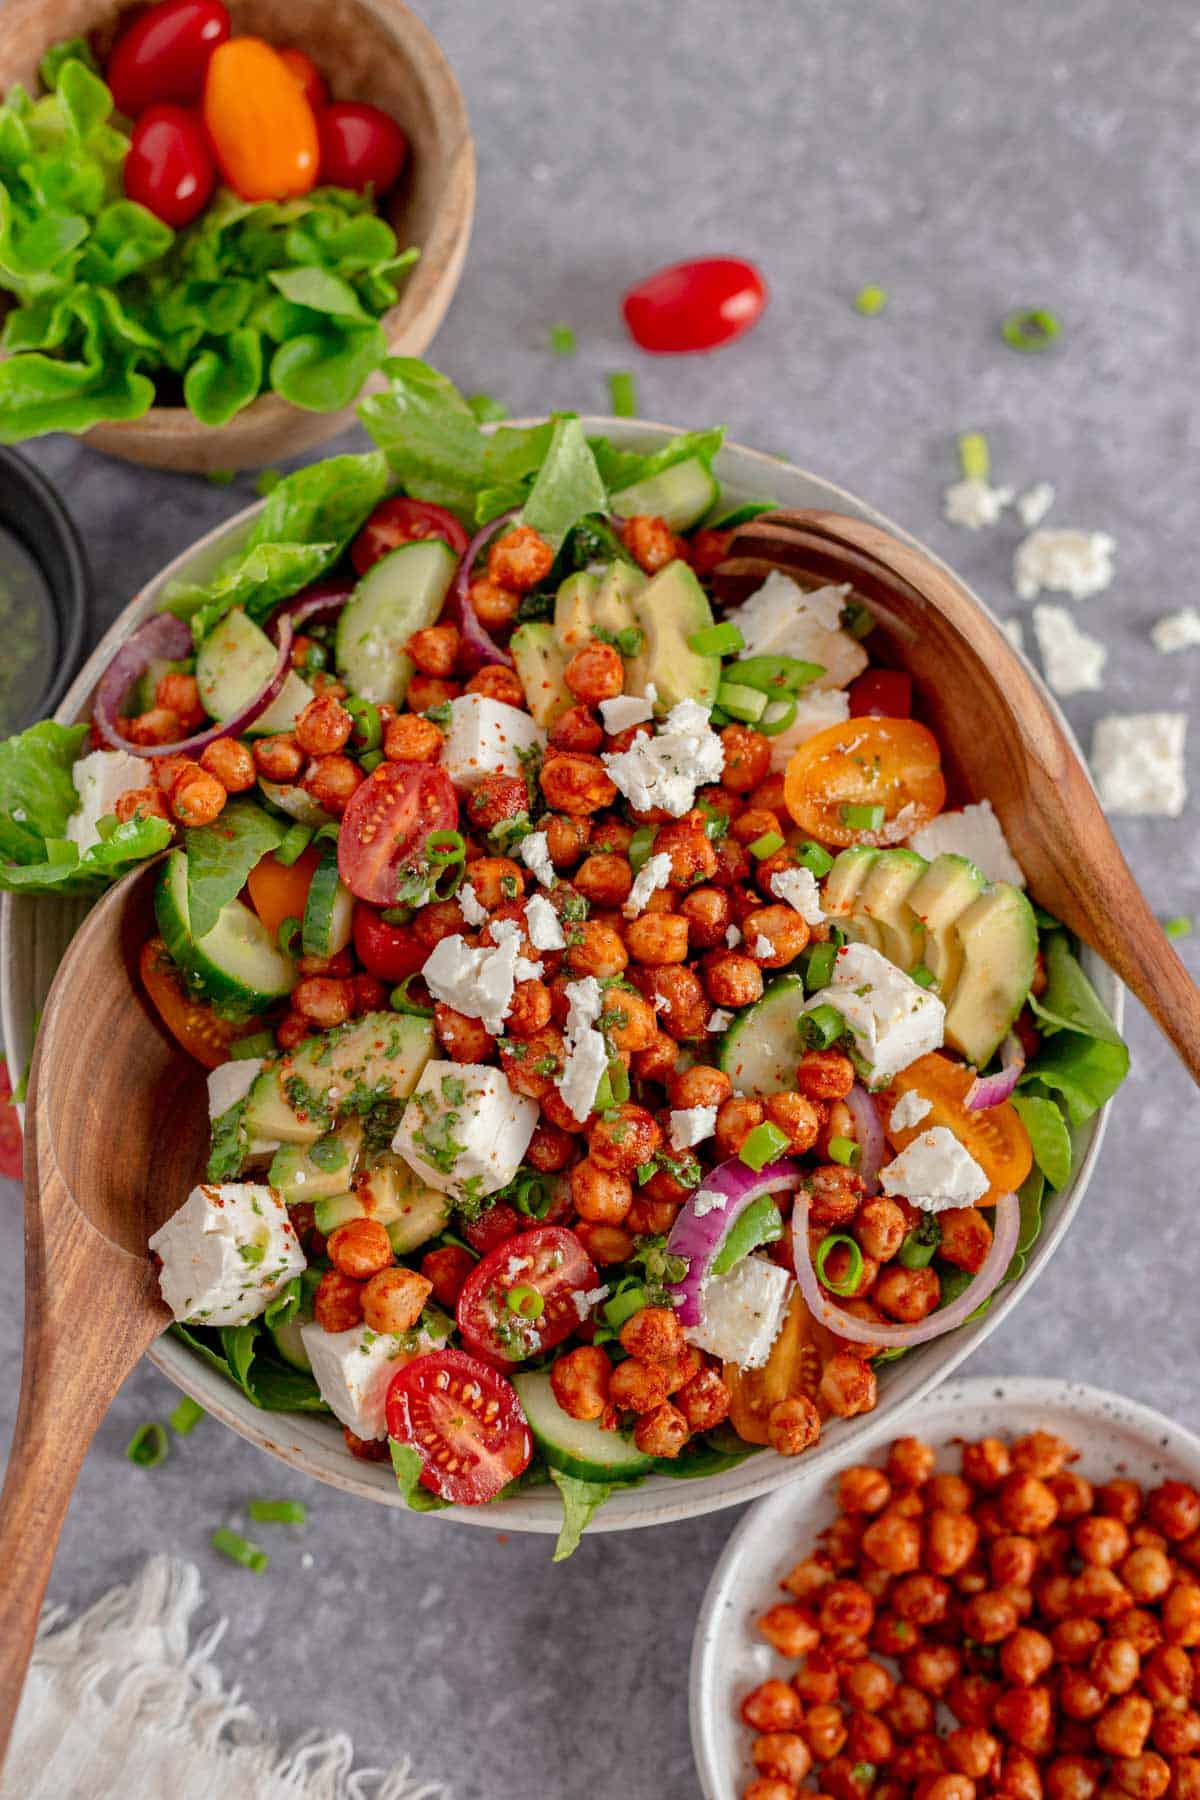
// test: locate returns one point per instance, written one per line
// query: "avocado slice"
(541, 662)
(670, 609)
(947, 888)
(843, 882)
(297, 1097)
(298, 1175)
(395, 1195)
(573, 616)
(612, 608)
(883, 899)
(999, 939)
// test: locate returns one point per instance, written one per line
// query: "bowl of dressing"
(44, 590)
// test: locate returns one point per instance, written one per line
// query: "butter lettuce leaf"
(429, 435)
(256, 579)
(567, 487)
(221, 855)
(1048, 1134)
(325, 503)
(1069, 1002)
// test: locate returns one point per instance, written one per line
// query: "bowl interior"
(34, 932)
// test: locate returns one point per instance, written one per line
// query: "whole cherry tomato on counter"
(695, 305)
(164, 54)
(396, 522)
(169, 168)
(360, 146)
(881, 694)
(306, 72)
(260, 122)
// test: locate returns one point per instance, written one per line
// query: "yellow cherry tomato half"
(794, 1368)
(995, 1136)
(867, 781)
(258, 117)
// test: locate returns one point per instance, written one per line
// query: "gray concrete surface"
(970, 158)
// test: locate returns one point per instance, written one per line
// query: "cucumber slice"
(576, 1447)
(760, 1050)
(402, 593)
(290, 1344)
(328, 911)
(294, 802)
(232, 664)
(236, 965)
(681, 495)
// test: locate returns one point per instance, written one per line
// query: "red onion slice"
(869, 1130)
(1005, 1231)
(701, 1227)
(166, 636)
(323, 597)
(477, 647)
(990, 1090)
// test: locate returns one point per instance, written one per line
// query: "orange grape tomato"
(279, 891)
(263, 130)
(193, 1025)
(995, 1136)
(893, 763)
(794, 1367)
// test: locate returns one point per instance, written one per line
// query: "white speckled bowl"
(1114, 1435)
(34, 932)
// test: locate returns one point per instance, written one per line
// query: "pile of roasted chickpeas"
(1010, 1630)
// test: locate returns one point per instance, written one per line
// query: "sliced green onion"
(778, 716)
(525, 1301)
(845, 1151)
(622, 393)
(1179, 927)
(487, 409)
(815, 859)
(604, 1098)
(618, 1081)
(400, 1002)
(745, 703)
(562, 340)
(818, 971)
(923, 976)
(863, 818)
(1030, 328)
(148, 1445)
(640, 846)
(857, 619)
(239, 1549)
(775, 675)
(187, 1416)
(763, 1145)
(719, 719)
(921, 1245)
(397, 915)
(822, 1026)
(296, 840)
(629, 1298)
(445, 847)
(766, 845)
(259, 1043)
(278, 1512)
(370, 760)
(532, 1195)
(870, 300)
(974, 456)
(853, 1276)
(717, 640)
(288, 936)
(367, 732)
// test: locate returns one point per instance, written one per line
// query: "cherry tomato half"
(261, 125)
(995, 1135)
(361, 147)
(169, 169)
(164, 54)
(881, 694)
(305, 71)
(466, 1421)
(194, 1026)
(11, 1153)
(494, 1226)
(386, 823)
(694, 305)
(547, 1268)
(389, 952)
(865, 763)
(794, 1368)
(396, 522)
(279, 891)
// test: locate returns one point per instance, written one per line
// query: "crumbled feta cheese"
(691, 1125)
(100, 780)
(718, 1020)
(935, 1171)
(587, 1056)
(585, 999)
(654, 873)
(1073, 662)
(1137, 760)
(353, 1371)
(665, 770)
(975, 833)
(706, 1201)
(487, 737)
(230, 1082)
(473, 910)
(814, 712)
(762, 945)
(743, 1312)
(1078, 563)
(974, 504)
(909, 1110)
(534, 852)
(891, 1018)
(583, 1303)
(1176, 631)
(464, 1130)
(1014, 631)
(783, 619)
(733, 936)
(798, 887)
(628, 709)
(477, 982)
(543, 924)
(227, 1253)
(1035, 503)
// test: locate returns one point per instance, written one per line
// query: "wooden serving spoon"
(116, 1132)
(998, 736)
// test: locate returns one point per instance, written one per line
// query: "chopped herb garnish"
(1031, 328)
(187, 1416)
(974, 456)
(1179, 927)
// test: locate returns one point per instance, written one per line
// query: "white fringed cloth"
(120, 1706)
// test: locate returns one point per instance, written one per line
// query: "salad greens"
(38, 797)
(220, 856)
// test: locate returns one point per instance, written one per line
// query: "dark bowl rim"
(70, 608)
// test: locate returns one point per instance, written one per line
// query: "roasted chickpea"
(1114, 1665)
(986, 1463)
(989, 1617)
(322, 1002)
(1146, 1572)
(1120, 1499)
(650, 541)
(1072, 1778)
(595, 673)
(332, 781)
(520, 558)
(737, 1117)
(1144, 1777)
(863, 1489)
(337, 1303)
(605, 880)
(566, 839)
(498, 683)
(576, 784)
(1181, 1614)
(782, 1756)
(880, 1227)
(637, 1386)
(846, 1606)
(360, 1248)
(141, 803)
(231, 763)
(624, 1139)
(973, 1751)
(704, 1401)
(323, 727)
(950, 1492)
(602, 1196)
(909, 1461)
(835, 1195)
(1176, 1733)
(1074, 1495)
(772, 1706)
(731, 978)
(464, 1039)
(1025, 1716)
(909, 1712)
(435, 649)
(662, 1432)
(656, 1061)
(677, 998)
(428, 691)
(779, 926)
(1075, 1639)
(1027, 1505)
(493, 604)
(907, 1294)
(953, 1786)
(1124, 1725)
(825, 1728)
(580, 1381)
(747, 759)
(365, 1449)
(1174, 1509)
(797, 1118)
(1099, 1594)
(868, 1686)
(197, 797)
(605, 1244)
(922, 1599)
(792, 1425)
(658, 938)
(806, 1579)
(894, 1542)
(931, 1667)
(1137, 1627)
(412, 739)
(1025, 1656)
(550, 1148)
(393, 1299)
(1101, 1540)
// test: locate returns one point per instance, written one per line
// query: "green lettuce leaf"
(256, 579)
(223, 379)
(1083, 1071)
(221, 855)
(429, 435)
(64, 871)
(621, 468)
(37, 794)
(326, 502)
(1049, 1136)
(74, 49)
(324, 371)
(1069, 1002)
(408, 1464)
(237, 1352)
(581, 1501)
(567, 487)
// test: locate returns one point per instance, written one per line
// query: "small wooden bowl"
(374, 50)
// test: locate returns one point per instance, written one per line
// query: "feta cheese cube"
(934, 1172)
(1176, 631)
(798, 887)
(892, 1020)
(654, 873)
(973, 503)
(814, 712)
(628, 709)
(691, 1125)
(1072, 661)
(487, 737)
(1078, 563)
(543, 924)
(534, 852)
(975, 833)
(100, 780)
(1137, 760)
(231, 1082)
(762, 945)
(1035, 503)
(227, 1253)
(783, 619)
(354, 1369)
(665, 770)
(909, 1110)
(464, 1130)
(743, 1312)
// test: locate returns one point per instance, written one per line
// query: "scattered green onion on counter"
(622, 393)
(239, 1549)
(278, 1512)
(148, 1445)
(1030, 328)
(187, 1416)
(974, 456)
(870, 299)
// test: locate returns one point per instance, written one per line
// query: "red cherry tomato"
(360, 146)
(386, 824)
(389, 952)
(193, 1024)
(881, 694)
(466, 1421)
(310, 78)
(169, 168)
(551, 1266)
(11, 1160)
(396, 522)
(164, 54)
(695, 305)
(493, 1227)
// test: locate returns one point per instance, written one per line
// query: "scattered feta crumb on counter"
(1073, 662)
(892, 1019)
(1176, 631)
(473, 911)
(227, 1253)
(783, 619)
(628, 709)
(1035, 503)
(487, 737)
(230, 1082)
(719, 1020)
(353, 1370)
(909, 1110)
(691, 1125)
(1138, 763)
(934, 1172)
(463, 1129)
(1014, 631)
(654, 873)
(973, 503)
(814, 712)
(975, 833)
(100, 779)
(543, 924)
(798, 888)
(665, 770)
(1079, 563)
(743, 1312)
(534, 852)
